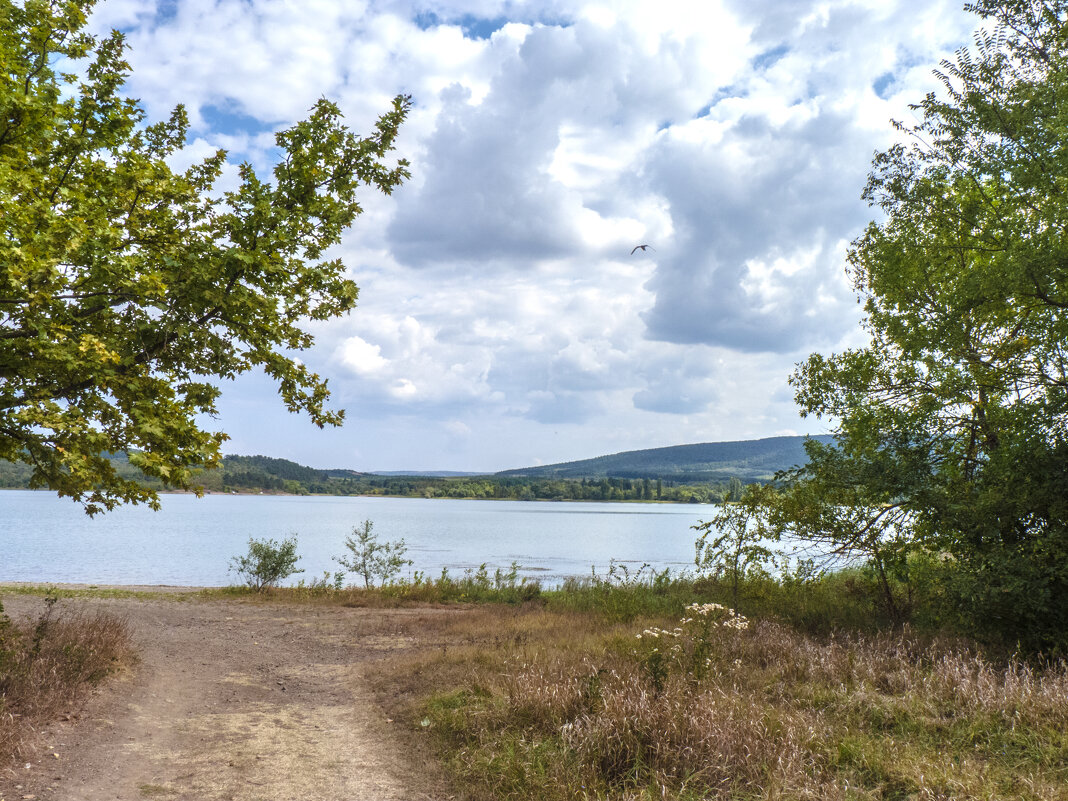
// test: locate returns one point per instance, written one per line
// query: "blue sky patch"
(228, 120)
(166, 10)
(723, 93)
(882, 84)
(481, 27)
(770, 57)
(474, 27)
(427, 20)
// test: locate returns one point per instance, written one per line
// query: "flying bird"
(642, 248)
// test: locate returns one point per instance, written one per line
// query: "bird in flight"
(642, 248)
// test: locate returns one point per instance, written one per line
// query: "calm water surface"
(191, 540)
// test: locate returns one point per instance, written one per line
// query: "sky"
(503, 320)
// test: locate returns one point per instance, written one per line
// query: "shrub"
(47, 667)
(370, 558)
(267, 562)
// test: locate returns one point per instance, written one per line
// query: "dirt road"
(233, 700)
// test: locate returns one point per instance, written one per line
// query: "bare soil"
(235, 700)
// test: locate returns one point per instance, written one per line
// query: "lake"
(191, 540)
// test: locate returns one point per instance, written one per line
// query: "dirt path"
(232, 700)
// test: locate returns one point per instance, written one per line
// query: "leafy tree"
(126, 287)
(267, 562)
(734, 544)
(370, 558)
(735, 489)
(956, 413)
(850, 507)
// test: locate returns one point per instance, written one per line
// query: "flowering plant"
(690, 641)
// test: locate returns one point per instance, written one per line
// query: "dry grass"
(536, 704)
(47, 666)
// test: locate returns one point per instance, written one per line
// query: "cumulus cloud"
(512, 345)
(759, 215)
(360, 356)
(537, 166)
(499, 301)
(680, 381)
(764, 185)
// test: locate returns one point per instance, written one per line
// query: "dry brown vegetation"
(534, 704)
(47, 666)
(638, 692)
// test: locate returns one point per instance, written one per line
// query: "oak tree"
(129, 289)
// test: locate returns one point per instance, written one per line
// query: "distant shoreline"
(166, 589)
(281, 493)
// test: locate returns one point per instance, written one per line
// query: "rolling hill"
(689, 473)
(747, 459)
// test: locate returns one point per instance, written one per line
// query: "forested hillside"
(749, 460)
(681, 474)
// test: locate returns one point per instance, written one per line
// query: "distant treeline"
(252, 473)
(528, 489)
(267, 474)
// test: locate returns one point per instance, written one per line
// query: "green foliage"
(623, 595)
(502, 487)
(266, 474)
(127, 287)
(734, 544)
(328, 584)
(370, 558)
(474, 586)
(267, 562)
(854, 509)
(953, 432)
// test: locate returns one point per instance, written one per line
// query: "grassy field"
(653, 690)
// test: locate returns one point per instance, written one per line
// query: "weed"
(47, 666)
(474, 586)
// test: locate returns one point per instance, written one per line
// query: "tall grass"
(848, 599)
(635, 690)
(48, 664)
(472, 586)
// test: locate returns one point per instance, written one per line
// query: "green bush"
(267, 562)
(371, 559)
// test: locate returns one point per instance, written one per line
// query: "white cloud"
(500, 305)
(458, 428)
(403, 389)
(361, 356)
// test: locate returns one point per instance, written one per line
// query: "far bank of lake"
(191, 540)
